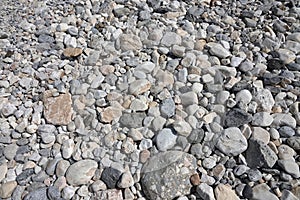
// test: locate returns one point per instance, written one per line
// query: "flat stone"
(130, 42)
(189, 98)
(262, 192)
(205, 191)
(259, 154)
(264, 99)
(262, 119)
(6, 189)
(146, 67)
(165, 139)
(110, 113)
(285, 152)
(170, 38)
(225, 192)
(10, 151)
(132, 120)
(237, 117)
(288, 195)
(139, 86)
(158, 180)
(72, 52)
(282, 119)
(286, 55)
(290, 166)
(286, 131)
(261, 134)
(58, 110)
(232, 142)
(218, 50)
(40, 193)
(167, 107)
(81, 172)
(8, 109)
(110, 176)
(182, 128)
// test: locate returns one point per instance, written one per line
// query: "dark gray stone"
(259, 154)
(53, 193)
(294, 142)
(286, 131)
(24, 176)
(38, 194)
(110, 176)
(132, 120)
(237, 117)
(167, 108)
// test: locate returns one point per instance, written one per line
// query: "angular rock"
(290, 166)
(170, 38)
(81, 172)
(58, 110)
(165, 139)
(110, 113)
(126, 180)
(218, 50)
(8, 109)
(158, 180)
(262, 119)
(167, 107)
(224, 192)
(264, 99)
(262, 192)
(112, 194)
(205, 191)
(259, 154)
(132, 120)
(40, 193)
(232, 142)
(237, 117)
(110, 176)
(72, 52)
(288, 195)
(130, 42)
(189, 98)
(139, 86)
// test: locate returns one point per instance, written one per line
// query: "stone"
(167, 107)
(158, 123)
(282, 119)
(254, 174)
(262, 119)
(130, 42)
(288, 195)
(195, 179)
(72, 52)
(225, 192)
(53, 193)
(165, 139)
(58, 110)
(46, 131)
(261, 134)
(110, 113)
(294, 142)
(178, 51)
(189, 98)
(126, 180)
(138, 105)
(237, 117)
(67, 148)
(146, 67)
(132, 120)
(112, 194)
(40, 193)
(205, 191)
(285, 152)
(92, 58)
(8, 109)
(286, 55)
(68, 192)
(110, 176)
(139, 86)
(218, 50)
(170, 38)
(232, 142)
(3, 171)
(81, 172)
(243, 96)
(182, 128)
(259, 154)
(158, 180)
(264, 99)
(6, 189)
(290, 166)
(262, 192)
(286, 131)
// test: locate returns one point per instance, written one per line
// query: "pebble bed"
(149, 99)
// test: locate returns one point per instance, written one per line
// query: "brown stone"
(195, 179)
(6, 189)
(224, 192)
(58, 110)
(144, 155)
(110, 113)
(72, 52)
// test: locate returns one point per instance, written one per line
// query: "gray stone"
(288, 195)
(236, 117)
(167, 107)
(10, 151)
(182, 128)
(165, 139)
(262, 119)
(46, 132)
(126, 180)
(7, 188)
(286, 55)
(132, 120)
(146, 67)
(290, 166)
(262, 192)
(40, 193)
(189, 98)
(110, 176)
(68, 192)
(205, 191)
(139, 86)
(294, 142)
(282, 119)
(254, 175)
(8, 109)
(259, 154)
(92, 58)
(130, 42)
(218, 50)
(170, 38)
(158, 180)
(158, 123)
(286, 131)
(264, 99)
(285, 152)
(178, 50)
(81, 172)
(3, 171)
(243, 96)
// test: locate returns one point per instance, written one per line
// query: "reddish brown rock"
(72, 52)
(195, 179)
(57, 110)
(110, 113)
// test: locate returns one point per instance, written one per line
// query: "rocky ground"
(149, 99)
